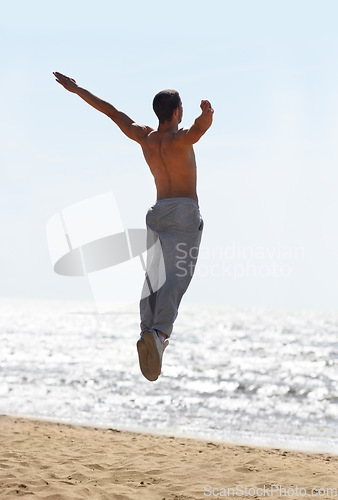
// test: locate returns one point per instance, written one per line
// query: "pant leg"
(178, 225)
(154, 278)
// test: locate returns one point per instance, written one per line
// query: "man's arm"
(201, 124)
(127, 125)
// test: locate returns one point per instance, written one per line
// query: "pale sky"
(267, 169)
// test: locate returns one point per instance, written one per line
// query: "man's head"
(167, 103)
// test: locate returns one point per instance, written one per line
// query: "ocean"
(246, 375)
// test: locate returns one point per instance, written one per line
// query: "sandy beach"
(59, 461)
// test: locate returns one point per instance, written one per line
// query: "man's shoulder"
(142, 132)
(182, 131)
(180, 136)
(155, 137)
(145, 130)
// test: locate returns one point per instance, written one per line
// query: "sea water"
(246, 375)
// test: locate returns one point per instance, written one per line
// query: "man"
(174, 220)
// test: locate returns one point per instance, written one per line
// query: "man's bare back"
(171, 163)
(168, 150)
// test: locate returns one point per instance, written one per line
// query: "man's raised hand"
(68, 83)
(206, 107)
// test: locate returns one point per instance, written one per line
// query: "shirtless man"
(174, 219)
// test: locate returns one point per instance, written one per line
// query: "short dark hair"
(164, 104)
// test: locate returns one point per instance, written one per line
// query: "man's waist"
(177, 199)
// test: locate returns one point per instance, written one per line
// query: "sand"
(59, 461)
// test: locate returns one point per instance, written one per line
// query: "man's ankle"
(161, 335)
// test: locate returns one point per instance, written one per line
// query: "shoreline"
(295, 443)
(52, 459)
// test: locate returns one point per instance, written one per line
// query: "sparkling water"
(247, 375)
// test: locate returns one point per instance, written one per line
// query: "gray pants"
(176, 225)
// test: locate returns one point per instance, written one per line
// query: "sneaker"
(150, 350)
(143, 360)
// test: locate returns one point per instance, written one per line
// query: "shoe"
(143, 360)
(150, 351)
(155, 351)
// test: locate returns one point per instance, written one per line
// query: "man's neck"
(171, 126)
